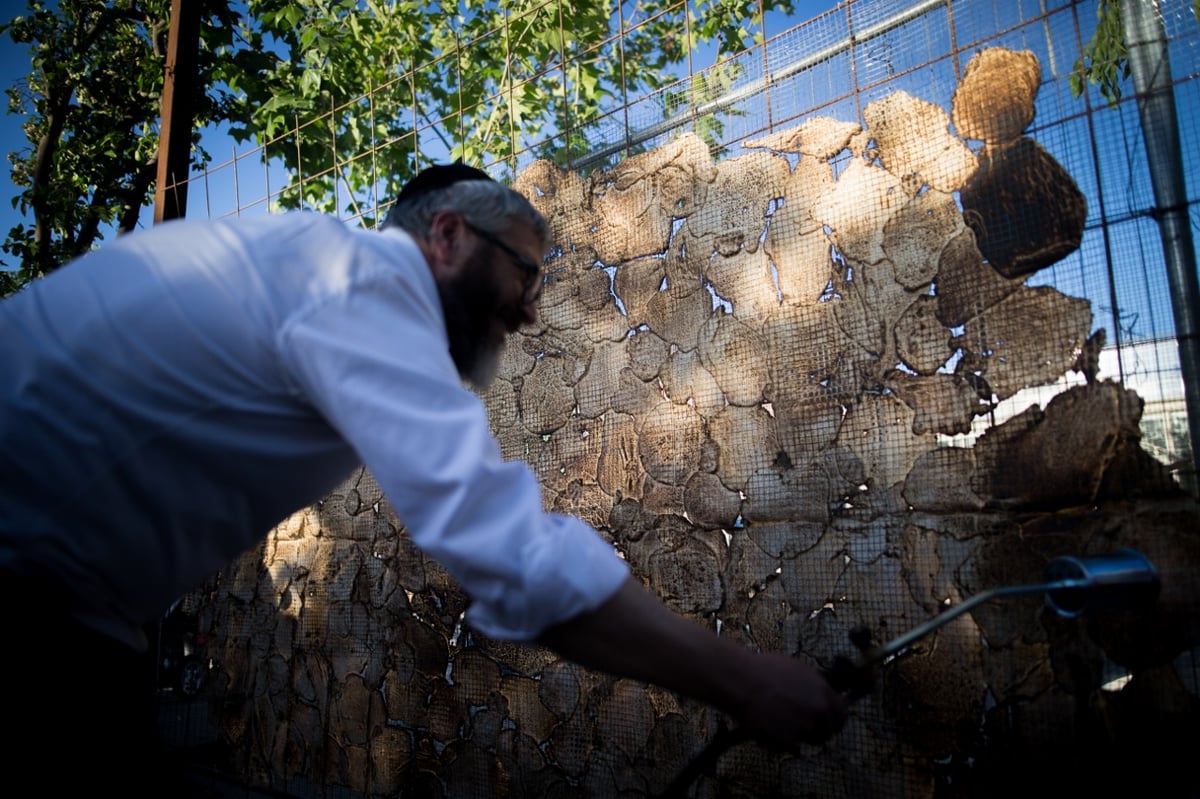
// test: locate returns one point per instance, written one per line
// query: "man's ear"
(448, 245)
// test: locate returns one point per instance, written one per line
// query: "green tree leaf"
(318, 83)
(92, 98)
(1105, 59)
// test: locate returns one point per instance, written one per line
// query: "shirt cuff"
(569, 570)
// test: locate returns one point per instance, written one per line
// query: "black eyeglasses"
(533, 272)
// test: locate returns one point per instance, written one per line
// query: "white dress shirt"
(167, 399)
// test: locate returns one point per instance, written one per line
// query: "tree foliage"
(351, 96)
(1105, 59)
(92, 103)
(324, 81)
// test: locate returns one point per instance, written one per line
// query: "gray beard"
(469, 305)
(483, 367)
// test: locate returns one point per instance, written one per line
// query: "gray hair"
(488, 205)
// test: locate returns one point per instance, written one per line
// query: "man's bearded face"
(476, 320)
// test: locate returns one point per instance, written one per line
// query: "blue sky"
(14, 63)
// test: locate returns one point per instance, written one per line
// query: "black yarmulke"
(439, 176)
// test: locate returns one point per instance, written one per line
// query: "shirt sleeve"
(375, 362)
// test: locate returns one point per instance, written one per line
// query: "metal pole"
(1151, 69)
(175, 130)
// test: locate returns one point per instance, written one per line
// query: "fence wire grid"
(812, 384)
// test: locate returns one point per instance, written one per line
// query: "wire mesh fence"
(838, 332)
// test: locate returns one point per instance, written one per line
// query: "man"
(166, 400)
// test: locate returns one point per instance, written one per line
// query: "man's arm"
(633, 634)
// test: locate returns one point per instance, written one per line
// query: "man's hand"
(773, 697)
(784, 701)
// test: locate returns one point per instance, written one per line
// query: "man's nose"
(516, 317)
(528, 314)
